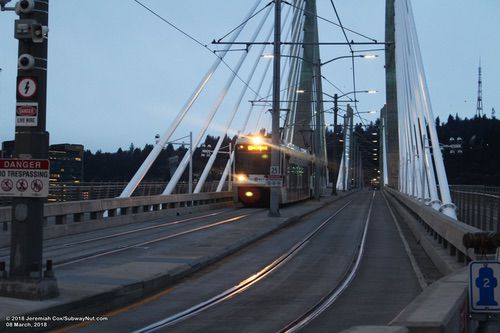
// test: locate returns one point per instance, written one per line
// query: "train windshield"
(253, 163)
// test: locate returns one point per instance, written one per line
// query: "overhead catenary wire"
(185, 160)
(352, 57)
(155, 152)
(249, 112)
(172, 25)
(197, 41)
(216, 149)
(330, 21)
(245, 21)
(290, 33)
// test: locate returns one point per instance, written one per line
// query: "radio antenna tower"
(479, 108)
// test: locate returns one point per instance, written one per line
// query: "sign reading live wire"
(24, 178)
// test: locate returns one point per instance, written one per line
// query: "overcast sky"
(118, 75)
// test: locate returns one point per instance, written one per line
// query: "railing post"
(475, 212)
(483, 201)
(492, 211)
(498, 214)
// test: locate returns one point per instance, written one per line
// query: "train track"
(333, 295)
(104, 252)
(265, 272)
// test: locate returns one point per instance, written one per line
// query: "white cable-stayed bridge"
(318, 221)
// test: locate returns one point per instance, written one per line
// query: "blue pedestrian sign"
(484, 286)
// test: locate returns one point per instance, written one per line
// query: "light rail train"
(253, 177)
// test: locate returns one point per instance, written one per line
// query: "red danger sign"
(24, 164)
(26, 114)
(24, 178)
(26, 110)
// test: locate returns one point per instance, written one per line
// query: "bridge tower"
(391, 107)
(302, 126)
(308, 124)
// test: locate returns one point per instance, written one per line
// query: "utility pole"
(275, 140)
(26, 278)
(190, 175)
(334, 145)
(344, 153)
(318, 158)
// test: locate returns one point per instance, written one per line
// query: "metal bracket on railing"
(434, 203)
(482, 242)
(448, 205)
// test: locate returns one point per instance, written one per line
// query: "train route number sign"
(24, 178)
(274, 170)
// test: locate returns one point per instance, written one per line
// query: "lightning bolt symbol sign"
(27, 87)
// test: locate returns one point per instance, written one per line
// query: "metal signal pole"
(27, 278)
(334, 146)
(275, 152)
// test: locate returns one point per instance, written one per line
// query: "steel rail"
(243, 285)
(121, 248)
(90, 240)
(334, 294)
(149, 242)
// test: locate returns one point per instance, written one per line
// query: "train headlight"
(257, 140)
(241, 178)
(248, 194)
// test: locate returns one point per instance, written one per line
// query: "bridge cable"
(246, 21)
(249, 112)
(185, 160)
(305, 11)
(148, 162)
(205, 46)
(212, 158)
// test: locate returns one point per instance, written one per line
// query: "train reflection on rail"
(253, 178)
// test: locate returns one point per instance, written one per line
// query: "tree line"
(477, 161)
(121, 165)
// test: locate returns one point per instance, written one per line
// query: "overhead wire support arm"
(246, 49)
(299, 43)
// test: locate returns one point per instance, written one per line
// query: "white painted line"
(416, 268)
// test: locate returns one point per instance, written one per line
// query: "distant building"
(66, 163)
(7, 149)
(66, 171)
(66, 167)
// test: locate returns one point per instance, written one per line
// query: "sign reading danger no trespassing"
(24, 178)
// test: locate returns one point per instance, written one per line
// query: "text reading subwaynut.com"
(44, 321)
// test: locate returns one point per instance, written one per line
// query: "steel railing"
(62, 192)
(478, 209)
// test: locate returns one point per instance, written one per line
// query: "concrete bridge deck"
(101, 271)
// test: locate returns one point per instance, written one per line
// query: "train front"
(252, 164)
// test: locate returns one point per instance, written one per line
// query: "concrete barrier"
(441, 308)
(447, 233)
(67, 218)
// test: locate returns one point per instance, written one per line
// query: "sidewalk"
(102, 284)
